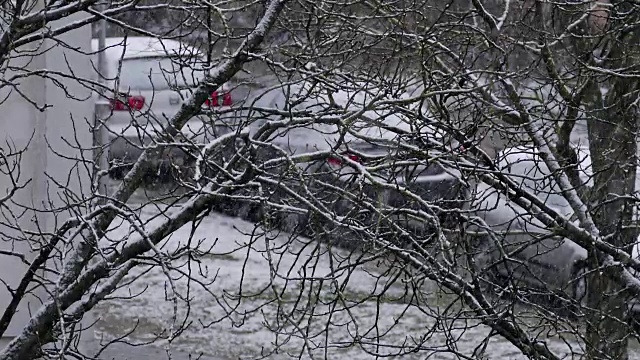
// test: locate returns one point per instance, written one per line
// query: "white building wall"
(41, 134)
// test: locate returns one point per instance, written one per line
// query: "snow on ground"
(223, 326)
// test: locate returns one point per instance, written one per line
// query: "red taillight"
(353, 157)
(335, 161)
(214, 100)
(118, 105)
(136, 102)
(133, 103)
(226, 99)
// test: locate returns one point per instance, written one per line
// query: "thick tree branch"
(73, 286)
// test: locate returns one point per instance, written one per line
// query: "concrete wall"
(62, 128)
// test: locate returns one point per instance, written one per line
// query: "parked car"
(371, 139)
(549, 269)
(147, 80)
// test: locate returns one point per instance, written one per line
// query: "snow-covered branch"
(75, 282)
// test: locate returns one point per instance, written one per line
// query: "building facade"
(45, 132)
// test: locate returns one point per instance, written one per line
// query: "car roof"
(143, 47)
(375, 124)
(527, 168)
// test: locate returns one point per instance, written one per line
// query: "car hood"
(526, 168)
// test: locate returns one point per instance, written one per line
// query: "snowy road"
(223, 326)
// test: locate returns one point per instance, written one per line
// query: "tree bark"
(612, 144)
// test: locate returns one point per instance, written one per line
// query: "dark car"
(392, 147)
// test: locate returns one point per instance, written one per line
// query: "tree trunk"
(607, 330)
(612, 144)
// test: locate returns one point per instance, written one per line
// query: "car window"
(159, 73)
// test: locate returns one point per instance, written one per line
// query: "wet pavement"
(93, 344)
(120, 351)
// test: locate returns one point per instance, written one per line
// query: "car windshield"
(160, 73)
